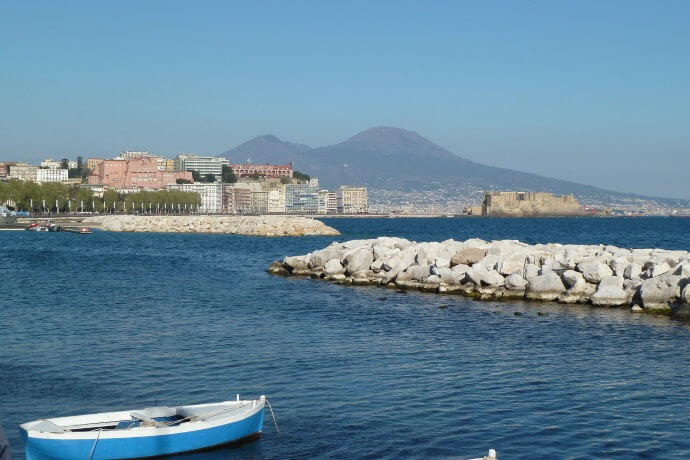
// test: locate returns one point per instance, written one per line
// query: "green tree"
(210, 178)
(285, 180)
(196, 176)
(228, 176)
(183, 181)
(255, 176)
(64, 163)
(300, 176)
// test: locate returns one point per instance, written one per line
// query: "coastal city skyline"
(542, 88)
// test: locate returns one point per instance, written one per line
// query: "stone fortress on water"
(526, 204)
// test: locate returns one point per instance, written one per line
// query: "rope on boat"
(273, 415)
(93, 449)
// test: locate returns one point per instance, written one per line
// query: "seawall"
(242, 225)
(649, 280)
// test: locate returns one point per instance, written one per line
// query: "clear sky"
(596, 92)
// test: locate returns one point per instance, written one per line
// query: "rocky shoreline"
(645, 280)
(242, 225)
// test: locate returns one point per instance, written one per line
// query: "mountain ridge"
(385, 157)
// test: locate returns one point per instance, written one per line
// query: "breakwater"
(242, 225)
(650, 280)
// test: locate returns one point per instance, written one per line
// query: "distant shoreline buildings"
(258, 188)
(526, 204)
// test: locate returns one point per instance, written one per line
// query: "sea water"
(114, 321)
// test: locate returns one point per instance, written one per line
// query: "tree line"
(59, 197)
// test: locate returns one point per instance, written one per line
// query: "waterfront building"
(211, 195)
(202, 164)
(276, 198)
(328, 202)
(519, 204)
(140, 171)
(265, 170)
(301, 199)
(22, 171)
(353, 200)
(242, 200)
(259, 202)
(52, 175)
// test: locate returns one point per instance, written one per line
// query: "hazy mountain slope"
(393, 158)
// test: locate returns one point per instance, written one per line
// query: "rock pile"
(244, 225)
(655, 280)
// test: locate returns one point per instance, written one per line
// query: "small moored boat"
(146, 432)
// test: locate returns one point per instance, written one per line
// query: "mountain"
(397, 159)
(265, 149)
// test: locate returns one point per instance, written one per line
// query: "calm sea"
(117, 321)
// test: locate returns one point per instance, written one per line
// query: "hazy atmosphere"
(591, 92)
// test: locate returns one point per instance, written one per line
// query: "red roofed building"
(267, 170)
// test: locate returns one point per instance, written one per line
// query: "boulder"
(618, 265)
(595, 271)
(442, 262)
(418, 272)
(531, 271)
(384, 252)
(296, 263)
(358, 260)
(446, 274)
(333, 267)
(460, 269)
(475, 274)
(427, 253)
(685, 294)
(610, 292)
(637, 309)
(632, 271)
(683, 269)
(492, 278)
(277, 268)
(572, 278)
(545, 287)
(376, 266)
(468, 256)
(515, 283)
(319, 258)
(510, 265)
(658, 269)
(657, 293)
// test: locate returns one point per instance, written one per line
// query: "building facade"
(22, 171)
(266, 170)
(276, 199)
(353, 200)
(52, 175)
(301, 199)
(211, 195)
(524, 204)
(328, 202)
(200, 164)
(139, 172)
(91, 163)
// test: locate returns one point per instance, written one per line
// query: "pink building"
(140, 172)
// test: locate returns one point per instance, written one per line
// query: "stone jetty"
(649, 280)
(243, 225)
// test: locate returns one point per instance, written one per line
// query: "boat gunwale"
(232, 416)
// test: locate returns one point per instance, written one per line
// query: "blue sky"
(596, 92)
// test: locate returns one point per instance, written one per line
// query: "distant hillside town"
(221, 187)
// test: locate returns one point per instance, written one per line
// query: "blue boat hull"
(144, 446)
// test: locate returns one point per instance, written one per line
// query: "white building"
(211, 195)
(57, 164)
(52, 175)
(328, 202)
(23, 171)
(202, 165)
(276, 199)
(353, 200)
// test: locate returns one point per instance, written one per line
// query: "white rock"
(632, 271)
(460, 269)
(637, 309)
(610, 292)
(657, 293)
(571, 278)
(333, 267)
(492, 278)
(595, 271)
(545, 287)
(419, 272)
(515, 282)
(531, 271)
(442, 262)
(659, 269)
(358, 260)
(475, 274)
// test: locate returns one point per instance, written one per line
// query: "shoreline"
(653, 281)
